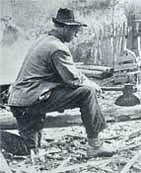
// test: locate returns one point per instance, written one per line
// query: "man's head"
(66, 24)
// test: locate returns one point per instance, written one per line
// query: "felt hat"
(66, 16)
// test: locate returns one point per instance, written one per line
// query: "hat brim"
(73, 23)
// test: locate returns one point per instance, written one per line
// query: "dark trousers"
(30, 119)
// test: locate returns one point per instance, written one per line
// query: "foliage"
(35, 18)
(90, 5)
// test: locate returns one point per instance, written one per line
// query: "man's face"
(70, 32)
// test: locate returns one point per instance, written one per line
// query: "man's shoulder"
(51, 43)
(57, 44)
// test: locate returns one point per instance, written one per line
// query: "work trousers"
(30, 119)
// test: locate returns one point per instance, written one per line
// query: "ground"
(64, 149)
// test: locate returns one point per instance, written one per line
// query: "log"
(95, 71)
(9, 122)
(96, 74)
(92, 73)
(73, 117)
(94, 67)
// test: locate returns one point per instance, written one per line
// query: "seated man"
(48, 81)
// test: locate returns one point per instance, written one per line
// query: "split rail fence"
(103, 48)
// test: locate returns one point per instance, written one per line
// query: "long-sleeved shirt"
(49, 63)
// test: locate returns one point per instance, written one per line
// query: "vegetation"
(101, 16)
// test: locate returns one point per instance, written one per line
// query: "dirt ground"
(64, 149)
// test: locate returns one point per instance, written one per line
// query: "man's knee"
(88, 91)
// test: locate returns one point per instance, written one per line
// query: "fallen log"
(9, 122)
(96, 74)
(73, 117)
(92, 73)
(94, 67)
(95, 71)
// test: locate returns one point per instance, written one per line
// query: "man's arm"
(66, 69)
(69, 73)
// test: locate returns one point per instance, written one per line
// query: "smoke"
(14, 46)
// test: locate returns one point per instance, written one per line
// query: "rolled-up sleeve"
(65, 67)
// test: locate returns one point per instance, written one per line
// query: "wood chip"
(92, 163)
(131, 162)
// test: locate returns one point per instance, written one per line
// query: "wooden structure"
(126, 68)
(128, 63)
(134, 25)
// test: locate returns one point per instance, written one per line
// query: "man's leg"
(85, 98)
(65, 98)
(29, 126)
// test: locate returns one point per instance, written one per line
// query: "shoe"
(99, 149)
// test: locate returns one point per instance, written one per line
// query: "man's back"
(38, 73)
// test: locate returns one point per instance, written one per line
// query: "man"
(48, 81)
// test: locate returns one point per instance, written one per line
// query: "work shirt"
(48, 64)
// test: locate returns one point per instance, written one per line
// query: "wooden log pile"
(95, 71)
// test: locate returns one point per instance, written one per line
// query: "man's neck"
(57, 34)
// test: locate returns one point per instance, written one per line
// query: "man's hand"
(92, 84)
(97, 87)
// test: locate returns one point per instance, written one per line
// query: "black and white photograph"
(70, 86)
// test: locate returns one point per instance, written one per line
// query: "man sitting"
(49, 81)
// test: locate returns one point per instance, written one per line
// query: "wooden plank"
(127, 55)
(92, 73)
(116, 43)
(99, 50)
(131, 66)
(120, 79)
(93, 67)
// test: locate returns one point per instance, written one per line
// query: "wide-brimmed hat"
(66, 16)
